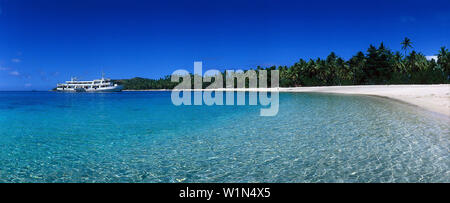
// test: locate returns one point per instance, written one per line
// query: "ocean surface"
(143, 137)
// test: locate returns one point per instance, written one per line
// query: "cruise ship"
(99, 85)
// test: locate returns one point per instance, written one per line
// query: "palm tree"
(406, 44)
(444, 60)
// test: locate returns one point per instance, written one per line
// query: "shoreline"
(435, 98)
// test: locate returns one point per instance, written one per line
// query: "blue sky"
(43, 42)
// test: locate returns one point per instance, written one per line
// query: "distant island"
(378, 66)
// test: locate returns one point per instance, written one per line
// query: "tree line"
(378, 65)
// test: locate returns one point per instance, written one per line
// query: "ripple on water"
(142, 137)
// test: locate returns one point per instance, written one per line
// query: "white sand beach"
(435, 98)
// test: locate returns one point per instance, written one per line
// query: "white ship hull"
(100, 85)
(117, 88)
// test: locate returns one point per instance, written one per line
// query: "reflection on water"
(142, 137)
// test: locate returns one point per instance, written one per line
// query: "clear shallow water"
(142, 137)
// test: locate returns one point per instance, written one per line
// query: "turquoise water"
(142, 137)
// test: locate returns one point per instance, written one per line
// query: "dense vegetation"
(379, 65)
(144, 83)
